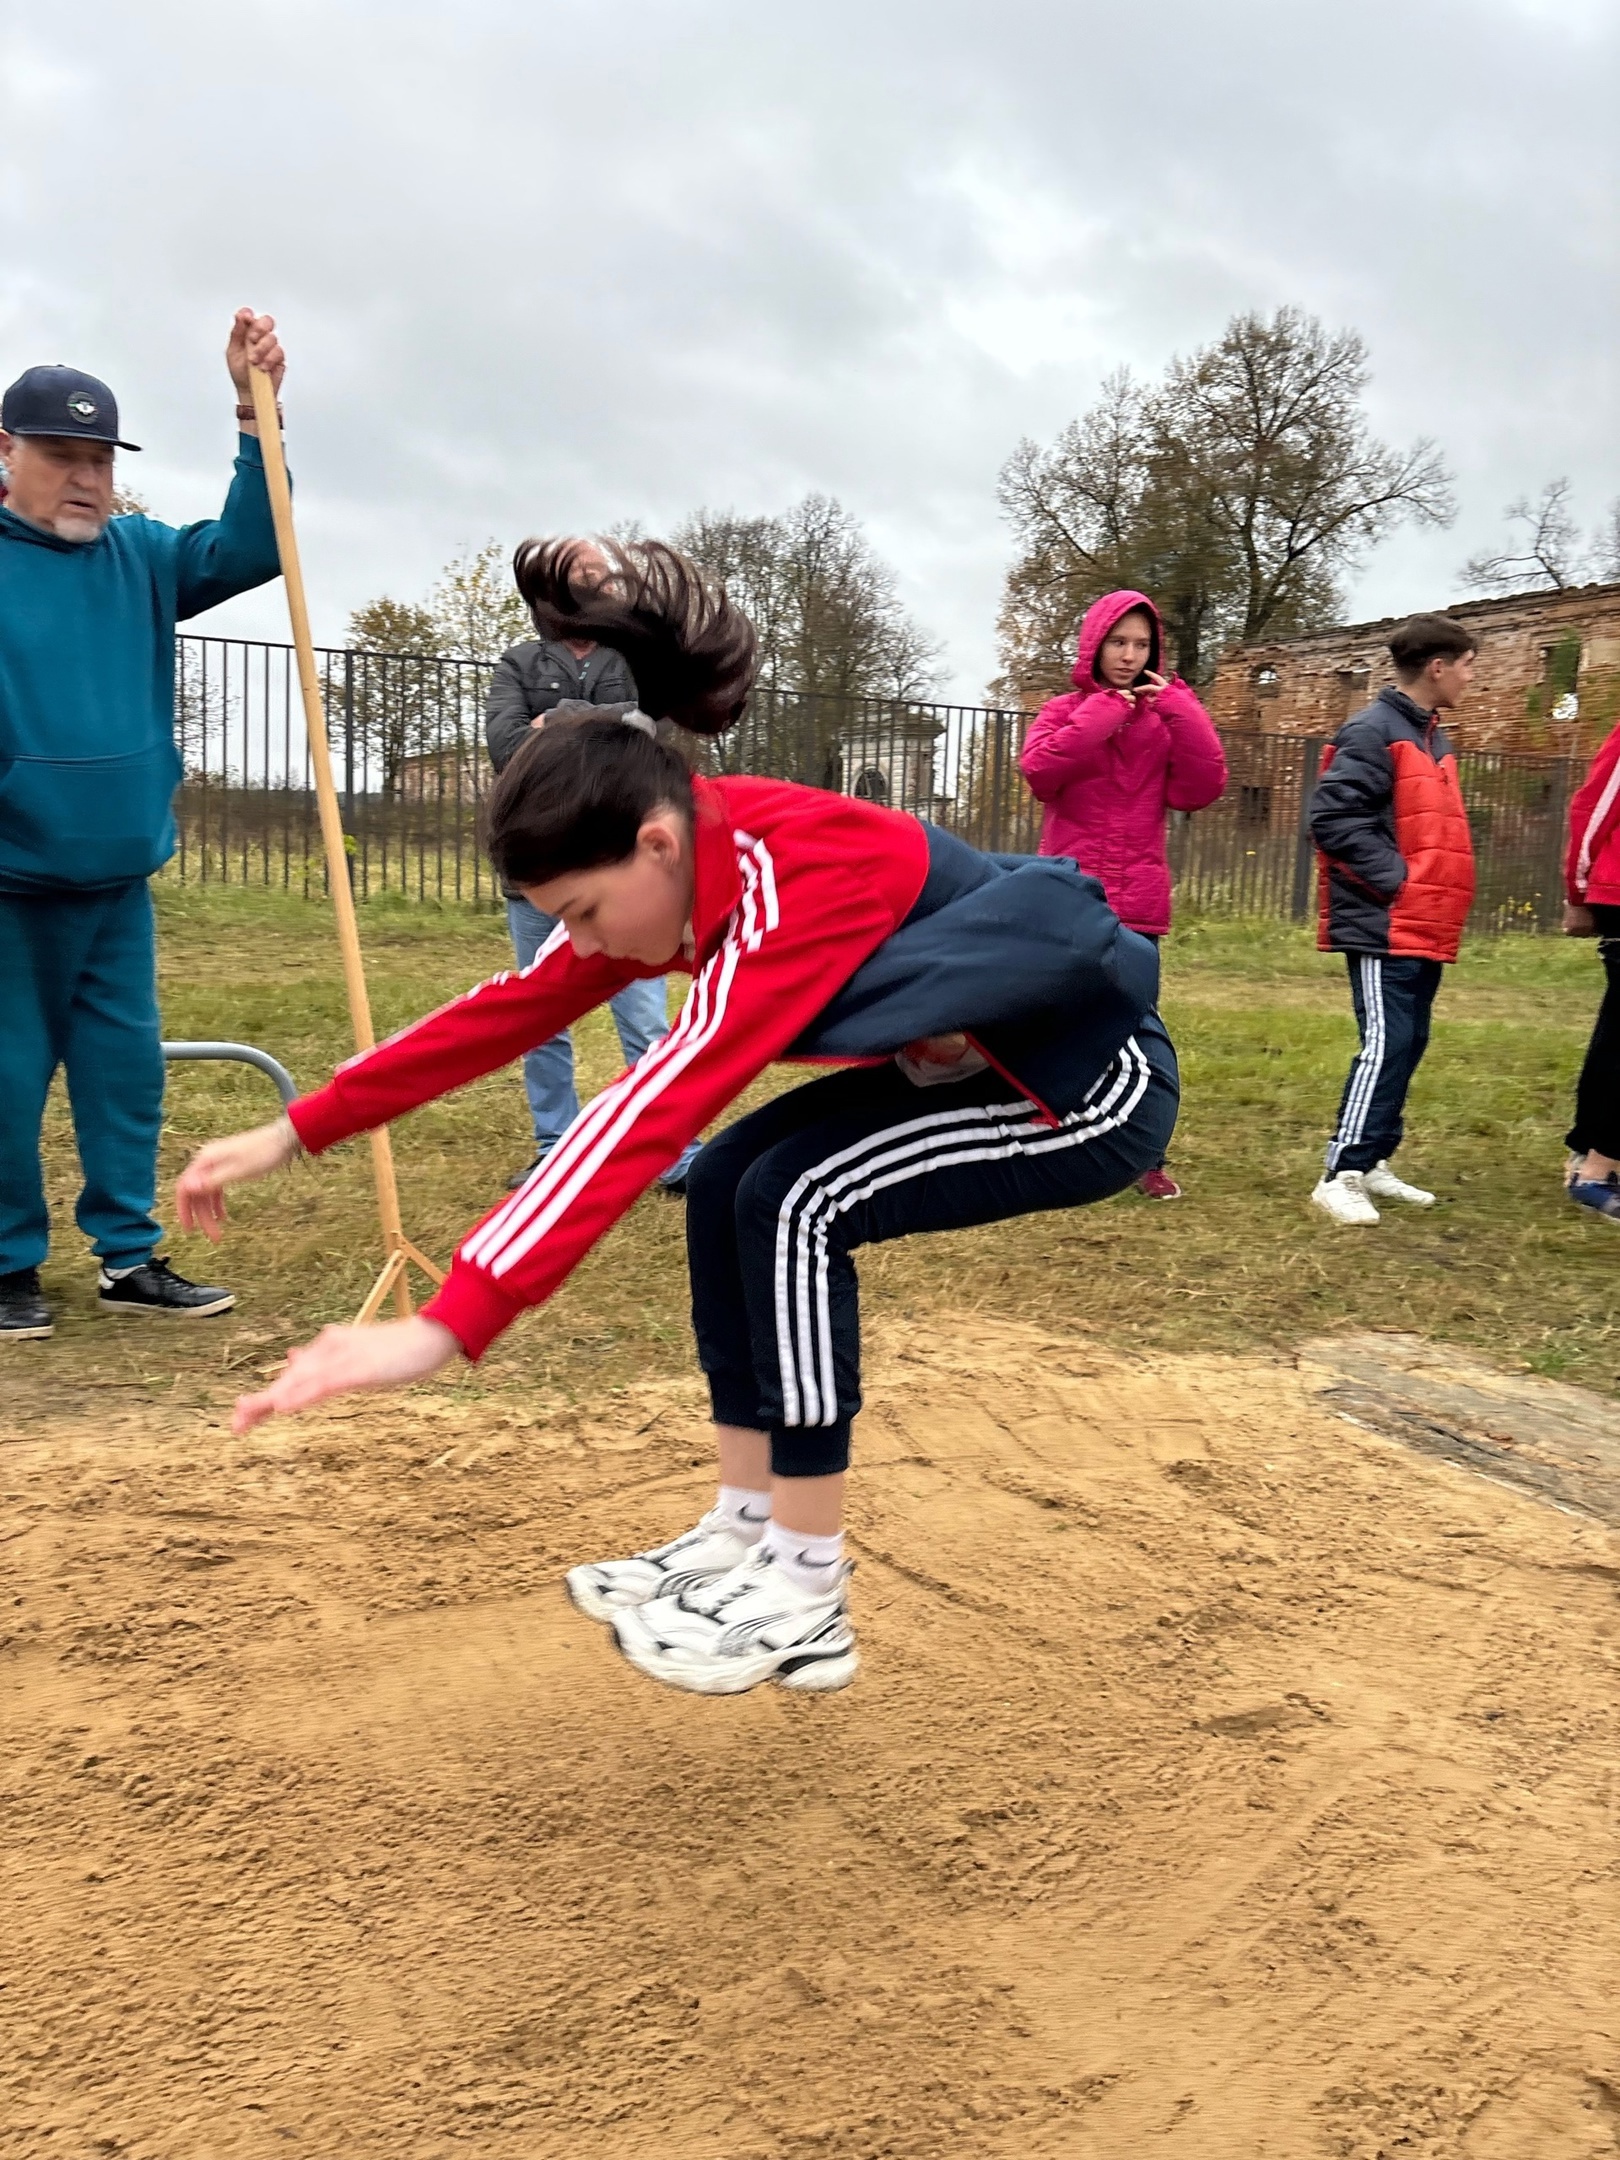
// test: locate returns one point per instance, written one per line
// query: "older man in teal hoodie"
(88, 769)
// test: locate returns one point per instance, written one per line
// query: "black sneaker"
(24, 1314)
(154, 1287)
(523, 1176)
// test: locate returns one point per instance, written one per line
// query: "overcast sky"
(543, 268)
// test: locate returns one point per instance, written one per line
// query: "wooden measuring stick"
(397, 1247)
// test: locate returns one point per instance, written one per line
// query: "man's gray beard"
(77, 528)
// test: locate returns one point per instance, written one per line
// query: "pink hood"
(1100, 618)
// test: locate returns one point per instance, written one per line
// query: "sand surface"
(1224, 1780)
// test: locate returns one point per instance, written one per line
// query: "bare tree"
(476, 608)
(392, 626)
(1093, 513)
(822, 602)
(830, 627)
(1548, 560)
(1238, 492)
(416, 704)
(390, 687)
(1266, 429)
(1075, 509)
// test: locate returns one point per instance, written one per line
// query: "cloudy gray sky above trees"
(542, 267)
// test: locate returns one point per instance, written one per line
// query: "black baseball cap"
(62, 401)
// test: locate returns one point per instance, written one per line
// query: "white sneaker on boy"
(1383, 1184)
(1345, 1197)
(711, 1548)
(751, 1625)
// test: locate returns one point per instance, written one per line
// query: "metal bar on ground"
(189, 1053)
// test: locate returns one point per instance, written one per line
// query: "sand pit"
(1225, 1779)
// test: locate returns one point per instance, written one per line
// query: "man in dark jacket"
(1397, 880)
(529, 681)
(535, 677)
(88, 768)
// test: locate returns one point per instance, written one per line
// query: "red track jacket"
(1592, 859)
(795, 887)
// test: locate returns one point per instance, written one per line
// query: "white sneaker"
(698, 1556)
(1383, 1184)
(1345, 1197)
(751, 1625)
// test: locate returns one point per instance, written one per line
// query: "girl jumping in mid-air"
(1013, 1063)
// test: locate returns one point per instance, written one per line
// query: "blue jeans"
(78, 989)
(640, 1013)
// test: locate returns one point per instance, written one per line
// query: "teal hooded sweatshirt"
(88, 764)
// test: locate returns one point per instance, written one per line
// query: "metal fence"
(1251, 853)
(411, 768)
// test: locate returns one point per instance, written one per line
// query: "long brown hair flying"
(690, 650)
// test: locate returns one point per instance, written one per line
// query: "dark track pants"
(1597, 1094)
(777, 1203)
(1393, 999)
(77, 989)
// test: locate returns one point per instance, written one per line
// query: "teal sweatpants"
(78, 989)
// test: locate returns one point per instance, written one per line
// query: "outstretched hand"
(341, 1359)
(1150, 685)
(199, 1193)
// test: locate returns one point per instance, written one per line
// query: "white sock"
(117, 1274)
(814, 1563)
(746, 1512)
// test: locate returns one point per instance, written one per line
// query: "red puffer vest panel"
(1431, 830)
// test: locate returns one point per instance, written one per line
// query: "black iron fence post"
(348, 740)
(1565, 781)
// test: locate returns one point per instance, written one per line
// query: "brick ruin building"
(1547, 680)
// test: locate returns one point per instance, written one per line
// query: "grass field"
(1263, 1026)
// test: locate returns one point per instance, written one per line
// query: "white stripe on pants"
(912, 1149)
(1369, 1063)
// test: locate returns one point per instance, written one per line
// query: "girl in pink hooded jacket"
(1111, 757)
(1118, 751)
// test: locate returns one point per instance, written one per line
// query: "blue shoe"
(1601, 1195)
(673, 1180)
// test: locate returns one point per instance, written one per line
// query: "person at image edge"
(88, 770)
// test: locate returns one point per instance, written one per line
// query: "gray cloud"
(541, 267)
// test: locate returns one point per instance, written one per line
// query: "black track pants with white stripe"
(777, 1203)
(1597, 1094)
(1393, 998)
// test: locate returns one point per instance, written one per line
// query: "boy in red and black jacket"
(1397, 881)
